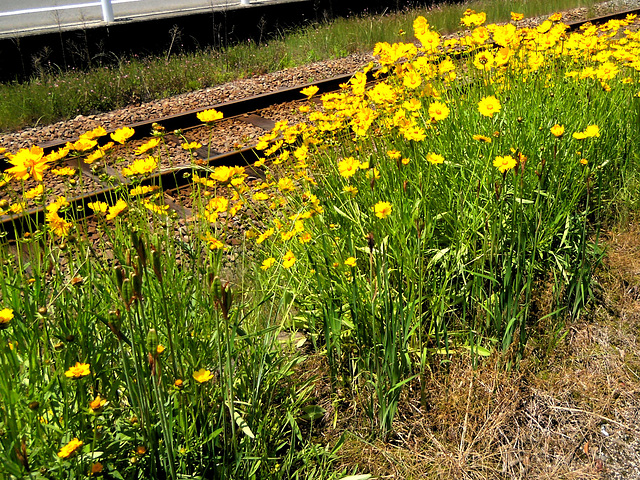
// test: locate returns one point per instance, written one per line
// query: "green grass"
(55, 95)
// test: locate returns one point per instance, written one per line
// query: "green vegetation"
(450, 213)
(54, 95)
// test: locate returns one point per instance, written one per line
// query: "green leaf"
(312, 412)
(436, 258)
(243, 424)
(366, 476)
(343, 213)
(478, 350)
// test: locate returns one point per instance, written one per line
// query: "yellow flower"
(258, 196)
(191, 146)
(411, 79)
(70, 448)
(557, 130)
(160, 348)
(82, 144)
(556, 17)
(394, 154)
(59, 226)
(56, 205)
(4, 179)
(34, 192)
(98, 207)
(121, 135)
(145, 147)
(202, 375)
(482, 138)
(116, 209)
(6, 315)
(142, 190)
(215, 244)
(488, 106)
(412, 105)
(438, 111)
(155, 208)
(140, 450)
(208, 116)
(435, 158)
(382, 209)
(348, 167)
(97, 403)
(98, 154)
(58, 154)
(310, 91)
(484, 61)
(28, 163)
(141, 166)
(590, 131)
(350, 262)
(64, 171)
(504, 163)
(222, 173)
(95, 133)
(286, 184)
(267, 263)
(516, 17)
(353, 191)
(288, 260)
(305, 237)
(79, 370)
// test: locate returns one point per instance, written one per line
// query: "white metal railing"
(107, 11)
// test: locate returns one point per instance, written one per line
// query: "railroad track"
(258, 113)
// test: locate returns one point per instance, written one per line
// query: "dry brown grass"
(571, 410)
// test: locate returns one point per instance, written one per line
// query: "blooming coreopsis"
(435, 158)
(121, 135)
(79, 370)
(590, 131)
(310, 91)
(6, 315)
(145, 147)
(557, 130)
(382, 209)
(438, 111)
(97, 403)
(488, 106)
(28, 163)
(267, 263)
(288, 260)
(116, 209)
(70, 448)
(141, 166)
(203, 375)
(348, 167)
(504, 163)
(59, 226)
(208, 116)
